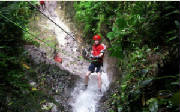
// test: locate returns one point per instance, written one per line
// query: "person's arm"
(91, 55)
(100, 55)
(103, 50)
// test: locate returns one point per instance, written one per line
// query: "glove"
(91, 56)
(97, 56)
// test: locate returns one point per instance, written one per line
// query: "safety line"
(33, 34)
(30, 32)
(26, 31)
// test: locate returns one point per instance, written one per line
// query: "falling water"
(82, 100)
(87, 100)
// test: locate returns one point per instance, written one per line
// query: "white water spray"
(60, 35)
(82, 100)
(87, 100)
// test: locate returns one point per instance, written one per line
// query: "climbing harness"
(51, 20)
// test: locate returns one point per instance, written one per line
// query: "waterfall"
(82, 100)
(87, 100)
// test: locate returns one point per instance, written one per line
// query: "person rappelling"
(42, 4)
(96, 57)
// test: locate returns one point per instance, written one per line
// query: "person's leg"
(87, 77)
(43, 7)
(98, 70)
(90, 70)
(99, 80)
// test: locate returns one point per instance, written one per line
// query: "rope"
(50, 20)
(26, 31)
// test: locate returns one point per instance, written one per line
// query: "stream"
(87, 100)
(82, 100)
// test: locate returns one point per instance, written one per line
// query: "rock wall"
(52, 78)
(110, 66)
(110, 63)
(60, 78)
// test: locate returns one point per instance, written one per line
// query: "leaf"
(115, 29)
(43, 101)
(175, 83)
(175, 99)
(173, 12)
(123, 86)
(26, 66)
(10, 103)
(177, 23)
(144, 71)
(110, 35)
(34, 89)
(143, 100)
(146, 82)
(153, 104)
(133, 20)
(171, 32)
(120, 109)
(172, 38)
(121, 23)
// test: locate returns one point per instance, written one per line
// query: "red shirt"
(98, 49)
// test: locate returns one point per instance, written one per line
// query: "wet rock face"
(110, 66)
(105, 104)
(58, 80)
(51, 6)
(52, 78)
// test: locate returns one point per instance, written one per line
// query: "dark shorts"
(92, 67)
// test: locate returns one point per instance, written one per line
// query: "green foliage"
(131, 23)
(17, 13)
(144, 35)
(175, 99)
(141, 86)
(15, 92)
(153, 104)
(92, 15)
